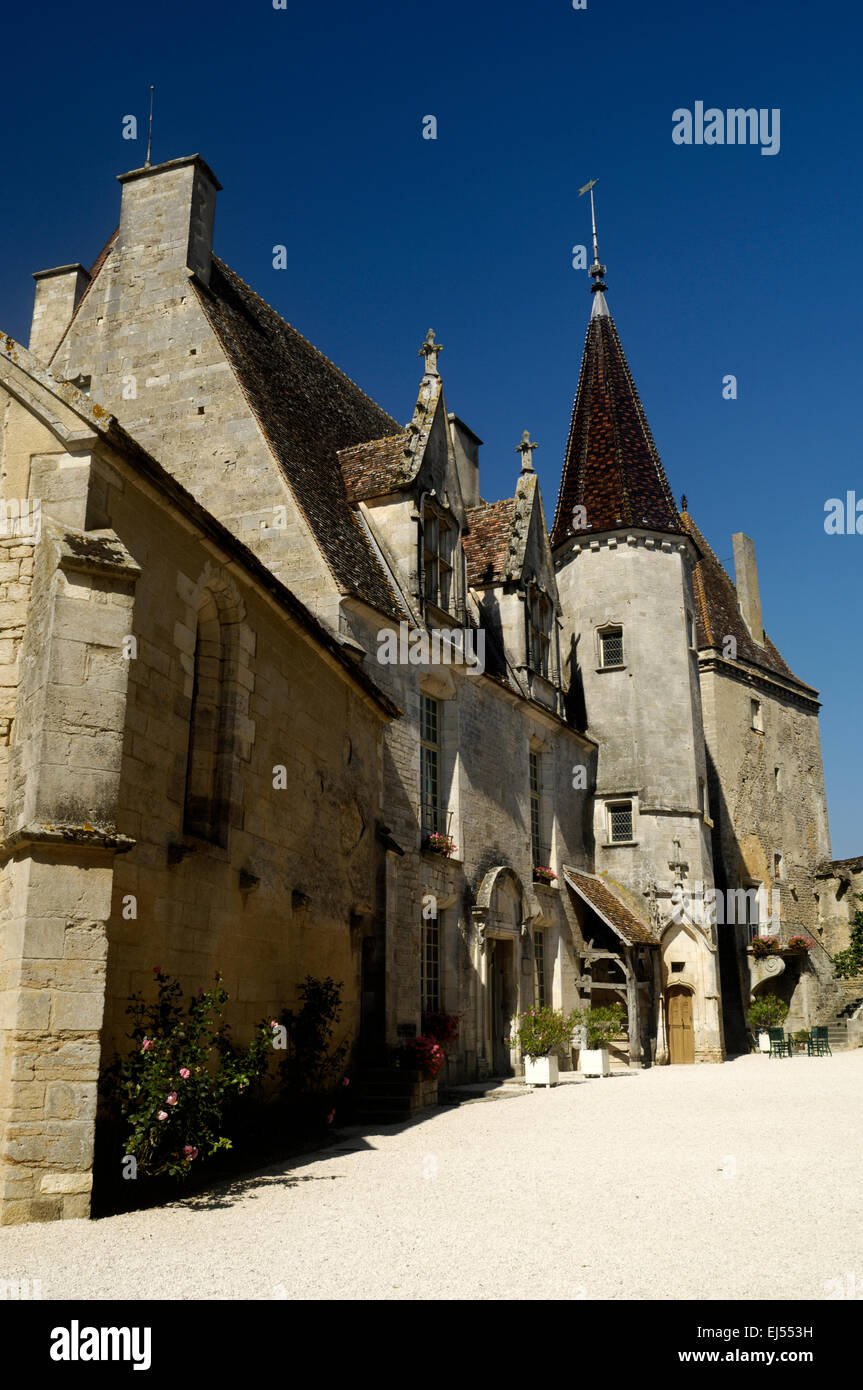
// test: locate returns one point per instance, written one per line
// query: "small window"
(611, 646)
(690, 631)
(757, 717)
(539, 969)
(536, 810)
(430, 760)
(430, 965)
(439, 537)
(539, 630)
(777, 779)
(702, 799)
(620, 821)
(778, 866)
(677, 967)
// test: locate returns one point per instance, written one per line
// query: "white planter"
(540, 1071)
(593, 1061)
(763, 1042)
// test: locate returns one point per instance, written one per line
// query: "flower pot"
(540, 1071)
(763, 1042)
(593, 1061)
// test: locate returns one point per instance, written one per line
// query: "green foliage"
(543, 1031)
(173, 1088)
(767, 1011)
(312, 1064)
(801, 1036)
(848, 963)
(602, 1024)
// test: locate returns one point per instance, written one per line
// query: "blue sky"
(720, 260)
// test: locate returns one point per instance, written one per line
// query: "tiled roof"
(718, 615)
(487, 540)
(374, 469)
(607, 903)
(612, 467)
(308, 410)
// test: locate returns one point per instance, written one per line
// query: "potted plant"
(542, 1033)
(767, 1011)
(800, 1039)
(439, 843)
(796, 944)
(765, 946)
(543, 874)
(600, 1026)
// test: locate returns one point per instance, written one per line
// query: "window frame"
(431, 755)
(440, 581)
(610, 631)
(619, 805)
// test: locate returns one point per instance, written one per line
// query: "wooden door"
(681, 1035)
(501, 1007)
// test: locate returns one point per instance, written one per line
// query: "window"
(205, 810)
(611, 646)
(777, 779)
(690, 631)
(539, 630)
(439, 537)
(757, 718)
(620, 821)
(536, 845)
(430, 760)
(778, 866)
(540, 993)
(702, 799)
(677, 967)
(430, 965)
(752, 915)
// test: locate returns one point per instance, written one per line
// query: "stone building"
(517, 766)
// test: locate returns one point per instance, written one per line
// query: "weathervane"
(150, 134)
(597, 271)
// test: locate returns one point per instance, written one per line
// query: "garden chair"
(819, 1045)
(780, 1046)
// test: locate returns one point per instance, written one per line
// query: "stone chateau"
(266, 653)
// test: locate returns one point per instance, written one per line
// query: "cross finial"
(684, 502)
(429, 351)
(526, 448)
(597, 271)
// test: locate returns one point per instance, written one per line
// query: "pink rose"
(346, 1081)
(162, 1115)
(185, 1073)
(171, 1099)
(331, 1117)
(190, 1151)
(147, 1044)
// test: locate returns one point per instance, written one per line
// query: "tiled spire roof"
(612, 467)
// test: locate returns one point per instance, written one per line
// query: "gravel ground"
(739, 1181)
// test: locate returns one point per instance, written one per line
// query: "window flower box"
(543, 874)
(797, 945)
(438, 843)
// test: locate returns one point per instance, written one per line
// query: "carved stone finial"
(429, 351)
(526, 448)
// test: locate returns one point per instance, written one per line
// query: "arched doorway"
(681, 1033)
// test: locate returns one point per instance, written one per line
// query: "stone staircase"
(391, 1095)
(839, 1035)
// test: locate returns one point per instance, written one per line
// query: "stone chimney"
(57, 294)
(466, 446)
(167, 214)
(746, 581)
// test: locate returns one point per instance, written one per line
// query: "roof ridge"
(223, 265)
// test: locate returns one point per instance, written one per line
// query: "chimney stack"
(746, 581)
(167, 215)
(57, 295)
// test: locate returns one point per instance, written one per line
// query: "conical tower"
(624, 564)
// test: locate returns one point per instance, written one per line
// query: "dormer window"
(439, 539)
(539, 630)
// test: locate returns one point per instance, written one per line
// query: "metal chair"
(780, 1046)
(819, 1045)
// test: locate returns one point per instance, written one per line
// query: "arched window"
(206, 805)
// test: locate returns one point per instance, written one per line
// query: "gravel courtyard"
(738, 1181)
